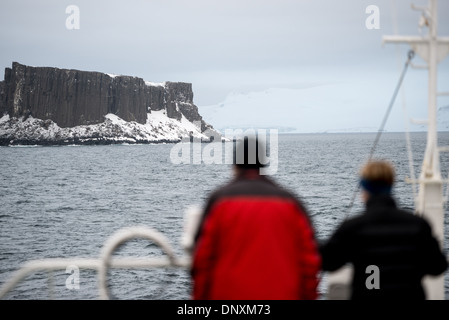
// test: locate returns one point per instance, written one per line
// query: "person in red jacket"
(255, 240)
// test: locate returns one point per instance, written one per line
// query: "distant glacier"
(330, 108)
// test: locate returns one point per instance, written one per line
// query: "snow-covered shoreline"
(159, 128)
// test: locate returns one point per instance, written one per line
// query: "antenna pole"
(430, 200)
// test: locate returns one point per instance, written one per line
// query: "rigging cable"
(410, 56)
(405, 111)
(409, 149)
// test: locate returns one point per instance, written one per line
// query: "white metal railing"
(105, 262)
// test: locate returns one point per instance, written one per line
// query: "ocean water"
(65, 202)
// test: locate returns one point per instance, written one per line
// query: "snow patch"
(155, 84)
(114, 119)
(4, 118)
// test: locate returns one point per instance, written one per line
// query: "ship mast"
(430, 200)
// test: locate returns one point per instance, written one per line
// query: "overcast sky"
(221, 46)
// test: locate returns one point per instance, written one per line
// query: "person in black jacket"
(390, 249)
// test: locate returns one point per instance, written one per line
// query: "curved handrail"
(118, 239)
(105, 262)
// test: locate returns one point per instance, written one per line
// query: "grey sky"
(218, 46)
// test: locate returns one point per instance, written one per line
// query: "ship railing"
(105, 261)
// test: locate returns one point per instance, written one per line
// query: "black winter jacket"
(400, 244)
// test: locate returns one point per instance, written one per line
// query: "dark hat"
(249, 152)
(375, 187)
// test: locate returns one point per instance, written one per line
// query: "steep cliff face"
(180, 102)
(72, 98)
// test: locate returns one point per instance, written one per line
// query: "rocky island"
(52, 106)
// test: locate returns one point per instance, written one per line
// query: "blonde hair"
(379, 171)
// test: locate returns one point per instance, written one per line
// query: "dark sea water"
(65, 202)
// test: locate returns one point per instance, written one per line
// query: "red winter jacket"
(255, 242)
